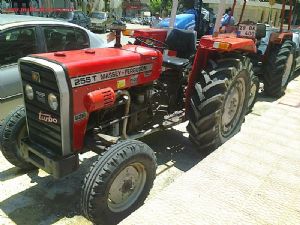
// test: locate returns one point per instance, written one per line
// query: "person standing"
(83, 5)
(88, 8)
(156, 20)
(228, 20)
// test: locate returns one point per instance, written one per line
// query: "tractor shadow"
(263, 98)
(173, 148)
(45, 200)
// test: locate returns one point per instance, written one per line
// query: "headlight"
(29, 92)
(52, 100)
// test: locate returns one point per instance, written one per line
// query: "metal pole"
(199, 28)
(173, 15)
(222, 6)
(243, 10)
(233, 8)
(282, 15)
(291, 14)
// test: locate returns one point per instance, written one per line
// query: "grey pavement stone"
(254, 178)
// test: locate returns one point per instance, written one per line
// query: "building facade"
(255, 11)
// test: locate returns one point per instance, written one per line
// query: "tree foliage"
(160, 5)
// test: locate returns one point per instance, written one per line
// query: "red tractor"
(102, 100)
(275, 61)
(279, 59)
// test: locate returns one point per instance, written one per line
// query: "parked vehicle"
(262, 47)
(296, 40)
(100, 21)
(76, 17)
(136, 20)
(101, 99)
(24, 35)
(276, 61)
(147, 21)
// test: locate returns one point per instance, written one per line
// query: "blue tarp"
(183, 21)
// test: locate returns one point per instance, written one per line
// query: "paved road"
(254, 178)
(36, 198)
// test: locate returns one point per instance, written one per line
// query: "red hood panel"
(83, 62)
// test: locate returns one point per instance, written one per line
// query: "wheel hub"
(233, 107)
(126, 187)
(288, 70)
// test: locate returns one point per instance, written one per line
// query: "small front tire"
(118, 182)
(13, 129)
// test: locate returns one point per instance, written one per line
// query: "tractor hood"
(81, 73)
(109, 65)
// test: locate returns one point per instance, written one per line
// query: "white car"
(24, 35)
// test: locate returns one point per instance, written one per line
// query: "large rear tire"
(279, 68)
(13, 129)
(118, 182)
(219, 101)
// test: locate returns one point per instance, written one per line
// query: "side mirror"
(261, 30)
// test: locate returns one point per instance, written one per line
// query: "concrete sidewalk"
(252, 179)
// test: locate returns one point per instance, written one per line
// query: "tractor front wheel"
(219, 101)
(12, 130)
(279, 68)
(118, 182)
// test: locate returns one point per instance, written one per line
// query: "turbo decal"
(47, 118)
(109, 75)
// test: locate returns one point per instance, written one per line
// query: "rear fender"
(228, 43)
(157, 34)
(277, 38)
(208, 48)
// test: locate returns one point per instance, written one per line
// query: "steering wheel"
(153, 43)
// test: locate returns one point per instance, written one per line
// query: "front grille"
(46, 133)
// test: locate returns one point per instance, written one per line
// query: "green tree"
(160, 6)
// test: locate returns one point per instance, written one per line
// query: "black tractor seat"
(176, 63)
(184, 43)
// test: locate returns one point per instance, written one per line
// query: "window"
(82, 39)
(81, 16)
(58, 37)
(17, 43)
(76, 16)
(64, 39)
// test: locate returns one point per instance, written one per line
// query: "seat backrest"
(183, 42)
(261, 30)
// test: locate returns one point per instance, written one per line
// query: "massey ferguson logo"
(47, 118)
(35, 76)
